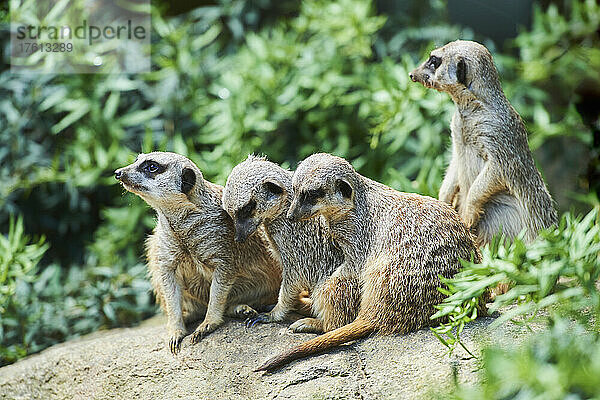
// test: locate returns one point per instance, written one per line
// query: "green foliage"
(553, 280)
(18, 259)
(282, 90)
(58, 304)
(281, 78)
(561, 363)
(559, 63)
(18, 267)
(43, 306)
(557, 272)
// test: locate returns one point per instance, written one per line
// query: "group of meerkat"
(355, 255)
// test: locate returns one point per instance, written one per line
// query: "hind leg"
(245, 305)
(307, 325)
(337, 300)
(502, 214)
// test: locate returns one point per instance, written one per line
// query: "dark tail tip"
(275, 362)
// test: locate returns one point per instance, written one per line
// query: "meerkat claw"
(175, 344)
(196, 337)
(262, 318)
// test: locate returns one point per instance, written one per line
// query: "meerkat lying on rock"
(259, 192)
(396, 244)
(195, 265)
(492, 180)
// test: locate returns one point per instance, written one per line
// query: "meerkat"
(396, 244)
(258, 192)
(196, 267)
(492, 180)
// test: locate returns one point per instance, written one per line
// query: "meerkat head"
(256, 191)
(323, 185)
(160, 178)
(461, 68)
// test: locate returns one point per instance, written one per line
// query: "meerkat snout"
(425, 71)
(244, 223)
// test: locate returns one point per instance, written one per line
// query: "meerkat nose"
(118, 174)
(412, 77)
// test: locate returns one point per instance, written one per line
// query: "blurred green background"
(276, 77)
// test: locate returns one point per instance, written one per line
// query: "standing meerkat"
(195, 265)
(397, 245)
(492, 180)
(259, 192)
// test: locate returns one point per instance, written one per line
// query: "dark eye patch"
(151, 168)
(311, 196)
(246, 211)
(434, 62)
(273, 188)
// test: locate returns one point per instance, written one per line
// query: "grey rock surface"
(134, 363)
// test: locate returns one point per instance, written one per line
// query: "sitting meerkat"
(492, 180)
(396, 244)
(195, 265)
(259, 192)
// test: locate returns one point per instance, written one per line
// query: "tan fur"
(309, 258)
(196, 268)
(396, 244)
(492, 180)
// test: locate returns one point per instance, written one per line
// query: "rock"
(134, 363)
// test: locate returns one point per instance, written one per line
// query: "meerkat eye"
(246, 211)
(435, 62)
(272, 188)
(311, 196)
(152, 167)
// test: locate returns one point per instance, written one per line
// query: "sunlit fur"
(309, 258)
(396, 244)
(195, 267)
(492, 180)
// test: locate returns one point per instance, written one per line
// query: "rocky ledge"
(134, 363)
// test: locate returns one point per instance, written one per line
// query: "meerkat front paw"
(469, 218)
(175, 342)
(243, 311)
(307, 325)
(202, 330)
(448, 195)
(263, 318)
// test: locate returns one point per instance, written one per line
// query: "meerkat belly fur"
(259, 192)
(396, 244)
(492, 180)
(196, 268)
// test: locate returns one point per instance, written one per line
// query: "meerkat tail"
(354, 330)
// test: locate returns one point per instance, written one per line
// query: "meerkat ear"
(344, 188)
(273, 187)
(188, 180)
(461, 71)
